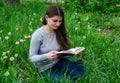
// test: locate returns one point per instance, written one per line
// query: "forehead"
(57, 17)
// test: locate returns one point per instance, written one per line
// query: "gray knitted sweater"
(42, 43)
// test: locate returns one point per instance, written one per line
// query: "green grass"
(97, 32)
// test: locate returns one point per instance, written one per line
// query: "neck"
(49, 30)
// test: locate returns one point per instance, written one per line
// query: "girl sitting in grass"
(47, 41)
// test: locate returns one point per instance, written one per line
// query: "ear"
(46, 17)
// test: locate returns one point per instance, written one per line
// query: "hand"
(52, 55)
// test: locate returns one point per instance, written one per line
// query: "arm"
(35, 43)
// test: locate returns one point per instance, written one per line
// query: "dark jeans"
(71, 69)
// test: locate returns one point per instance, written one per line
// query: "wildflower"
(30, 23)
(22, 40)
(118, 5)
(89, 26)
(84, 37)
(1, 31)
(0, 38)
(17, 42)
(34, 14)
(29, 36)
(9, 33)
(99, 30)
(25, 36)
(31, 30)
(32, 19)
(6, 37)
(76, 13)
(76, 28)
(79, 22)
(41, 19)
(8, 51)
(6, 73)
(12, 58)
(16, 55)
(4, 53)
(86, 18)
(17, 29)
(4, 57)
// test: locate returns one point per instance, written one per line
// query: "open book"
(72, 51)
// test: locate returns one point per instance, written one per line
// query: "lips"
(56, 27)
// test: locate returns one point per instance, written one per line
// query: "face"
(54, 22)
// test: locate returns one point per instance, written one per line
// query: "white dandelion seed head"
(41, 19)
(31, 29)
(17, 42)
(76, 28)
(4, 53)
(6, 73)
(12, 58)
(89, 27)
(76, 13)
(8, 51)
(21, 40)
(25, 36)
(79, 22)
(118, 5)
(1, 31)
(86, 18)
(6, 37)
(32, 19)
(34, 14)
(30, 23)
(84, 37)
(29, 36)
(99, 30)
(16, 55)
(9, 33)
(4, 57)
(17, 29)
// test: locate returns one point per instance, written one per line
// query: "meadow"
(98, 32)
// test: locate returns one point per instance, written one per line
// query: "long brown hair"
(61, 35)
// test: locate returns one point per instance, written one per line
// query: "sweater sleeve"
(35, 43)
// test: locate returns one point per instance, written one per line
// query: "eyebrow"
(56, 20)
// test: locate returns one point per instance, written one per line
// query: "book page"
(72, 51)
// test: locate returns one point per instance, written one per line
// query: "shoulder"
(38, 32)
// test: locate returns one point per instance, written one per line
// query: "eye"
(60, 21)
(54, 20)
(57, 21)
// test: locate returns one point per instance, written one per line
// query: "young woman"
(49, 39)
